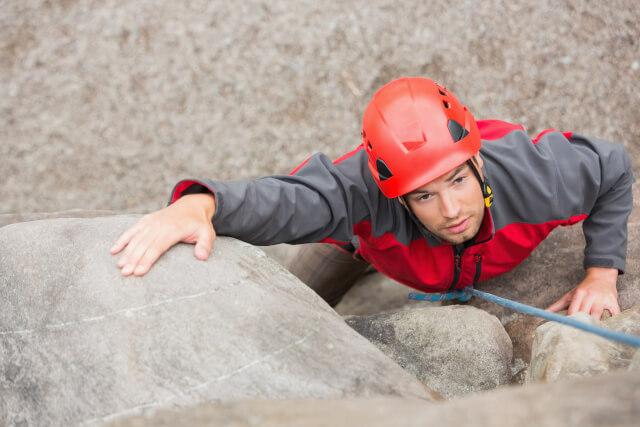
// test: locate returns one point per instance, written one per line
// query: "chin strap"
(487, 193)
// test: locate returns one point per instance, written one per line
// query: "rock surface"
(635, 362)
(454, 350)
(106, 104)
(607, 400)
(80, 343)
(560, 351)
(6, 219)
(522, 332)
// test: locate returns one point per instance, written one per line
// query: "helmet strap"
(487, 193)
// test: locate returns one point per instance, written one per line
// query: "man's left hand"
(596, 293)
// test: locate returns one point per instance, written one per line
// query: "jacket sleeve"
(319, 200)
(564, 176)
(605, 229)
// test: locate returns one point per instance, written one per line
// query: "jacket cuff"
(188, 186)
(605, 263)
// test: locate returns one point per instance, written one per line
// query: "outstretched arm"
(321, 200)
(187, 220)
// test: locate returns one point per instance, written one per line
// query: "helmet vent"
(446, 104)
(383, 171)
(456, 130)
(442, 92)
(413, 145)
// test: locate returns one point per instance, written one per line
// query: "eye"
(459, 180)
(425, 197)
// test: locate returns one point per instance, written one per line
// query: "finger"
(125, 237)
(152, 253)
(614, 308)
(562, 303)
(588, 303)
(204, 243)
(135, 251)
(596, 310)
(576, 302)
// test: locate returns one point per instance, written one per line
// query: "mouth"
(459, 227)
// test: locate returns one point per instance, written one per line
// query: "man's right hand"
(187, 220)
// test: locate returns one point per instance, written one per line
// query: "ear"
(403, 202)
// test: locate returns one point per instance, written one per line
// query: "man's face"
(452, 206)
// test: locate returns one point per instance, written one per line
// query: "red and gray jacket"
(538, 185)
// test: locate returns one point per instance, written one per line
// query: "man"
(414, 200)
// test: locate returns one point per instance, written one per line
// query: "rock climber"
(431, 198)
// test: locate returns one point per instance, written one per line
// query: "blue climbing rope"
(466, 293)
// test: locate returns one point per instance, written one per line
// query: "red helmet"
(415, 131)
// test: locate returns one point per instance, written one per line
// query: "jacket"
(556, 179)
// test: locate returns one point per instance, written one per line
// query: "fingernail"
(139, 270)
(128, 269)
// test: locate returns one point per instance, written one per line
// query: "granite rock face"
(6, 219)
(560, 351)
(80, 343)
(607, 400)
(454, 350)
(105, 105)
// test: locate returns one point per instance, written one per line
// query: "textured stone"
(79, 342)
(106, 104)
(606, 400)
(561, 351)
(6, 219)
(454, 350)
(522, 331)
(635, 362)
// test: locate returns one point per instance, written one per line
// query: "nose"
(449, 205)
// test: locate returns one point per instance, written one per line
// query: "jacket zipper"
(458, 250)
(457, 266)
(478, 260)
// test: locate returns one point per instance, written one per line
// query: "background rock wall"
(106, 104)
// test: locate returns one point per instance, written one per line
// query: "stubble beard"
(458, 238)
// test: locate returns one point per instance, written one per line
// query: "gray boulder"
(561, 351)
(606, 400)
(522, 332)
(79, 343)
(454, 350)
(6, 219)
